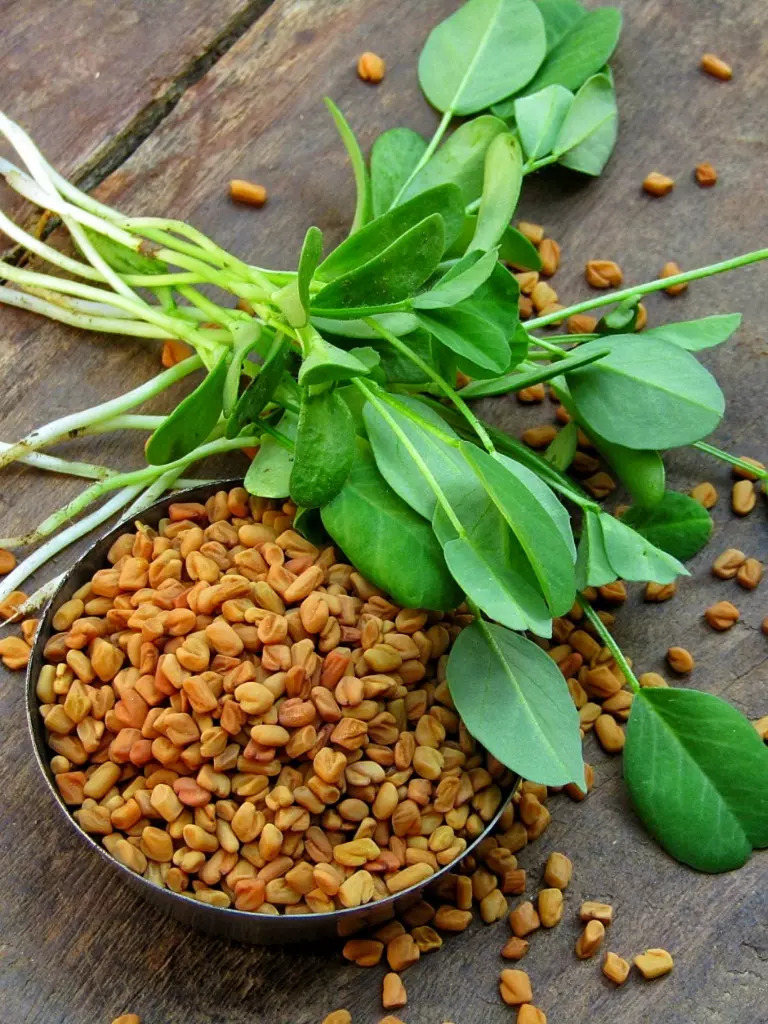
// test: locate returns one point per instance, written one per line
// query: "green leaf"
(496, 301)
(501, 190)
(515, 701)
(539, 118)
(696, 335)
(633, 557)
(469, 335)
(362, 182)
(516, 249)
(394, 157)
(562, 448)
(121, 258)
(582, 51)
(460, 160)
(592, 566)
(516, 381)
(396, 323)
(646, 393)
(459, 283)
(245, 338)
(375, 238)
(325, 362)
(269, 473)
(537, 520)
(389, 543)
(677, 524)
(310, 525)
(697, 773)
(191, 421)
(395, 274)
(588, 134)
(261, 389)
(622, 319)
(559, 16)
(640, 470)
(398, 369)
(293, 299)
(325, 449)
(483, 52)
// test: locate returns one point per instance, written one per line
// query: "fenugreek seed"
(590, 940)
(530, 1014)
(558, 871)
(658, 592)
(493, 906)
(680, 660)
(393, 994)
(654, 963)
(581, 323)
(371, 68)
(7, 563)
(727, 564)
(743, 497)
(744, 474)
(535, 393)
(716, 66)
(363, 952)
(656, 184)
(749, 574)
(409, 876)
(527, 281)
(642, 317)
(593, 911)
(603, 274)
(14, 652)
(549, 253)
(722, 616)
(761, 727)
(402, 953)
(539, 437)
(127, 1018)
(615, 968)
(705, 493)
(247, 192)
(515, 986)
(533, 232)
(426, 939)
(550, 907)
(515, 948)
(450, 919)
(651, 679)
(610, 734)
(523, 919)
(671, 269)
(542, 295)
(705, 174)
(338, 1017)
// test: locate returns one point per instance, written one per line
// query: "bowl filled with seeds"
(255, 737)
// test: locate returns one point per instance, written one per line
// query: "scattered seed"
(744, 474)
(591, 910)
(728, 563)
(610, 734)
(749, 574)
(127, 1018)
(539, 437)
(338, 1017)
(603, 274)
(581, 323)
(716, 67)
(549, 253)
(533, 232)
(535, 393)
(705, 174)
(642, 317)
(761, 727)
(515, 986)
(743, 497)
(658, 592)
(7, 561)
(450, 919)
(515, 948)
(393, 994)
(542, 296)
(722, 615)
(15, 652)
(527, 280)
(578, 793)
(656, 184)
(670, 269)
(247, 192)
(654, 963)
(590, 940)
(493, 906)
(680, 660)
(615, 968)
(651, 679)
(558, 871)
(523, 919)
(363, 952)
(371, 68)
(530, 1014)
(705, 493)
(550, 907)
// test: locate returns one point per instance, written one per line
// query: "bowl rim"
(84, 566)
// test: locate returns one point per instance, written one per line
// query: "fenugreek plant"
(343, 373)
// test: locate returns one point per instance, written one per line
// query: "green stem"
(610, 643)
(405, 441)
(732, 460)
(534, 165)
(651, 286)
(425, 156)
(447, 390)
(550, 347)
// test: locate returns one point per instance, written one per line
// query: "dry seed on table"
(535, 393)
(705, 174)
(515, 948)
(671, 269)
(680, 660)
(550, 907)
(658, 592)
(743, 497)
(610, 734)
(402, 952)
(239, 757)
(515, 986)
(581, 323)
(590, 940)
(549, 253)
(722, 616)
(7, 561)
(603, 274)
(533, 232)
(393, 994)
(127, 1018)
(371, 68)
(530, 1014)
(523, 919)
(705, 493)
(656, 184)
(728, 563)
(363, 952)
(716, 66)
(591, 910)
(654, 963)
(761, 727)
(338, 1017)
(615, 968)
(558, 871)
(745, 474)
(247, 192)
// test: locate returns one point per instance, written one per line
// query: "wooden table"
(171, 100)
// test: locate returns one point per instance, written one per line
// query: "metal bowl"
(242, 926)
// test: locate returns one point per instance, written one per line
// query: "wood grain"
(74, 946)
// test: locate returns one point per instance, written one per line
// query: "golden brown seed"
(722, 616)
(515, 986)
(744, 474)
(542, 295)
(581, 323)
(743, 497)
(654, 963)
(750, 574)
(127, 1018)
(14, 652)
(671, 269)
(615, 968)
(716, 67)
(411, 875)
(558, 871)
(363, 952)
(705, 493)
(493, 906)
(402, 952)
(658, 592)
(610, 734)
(549, 253)
(449, 919)
(727, 564)
(642, 317)
(590, 910)
(550, 907)
(680, 660)
(705, 174)
(515, 948)
(393, 993)
(590, 940)
(512, 881)
(761, 727)
(656, 184)
(371, 68)
(338, 1017)
(530, 1014)
(247, 192)
(539, 437)
(523, 919)
(426, 939)
(7, 562)
(533, 232)
(603, 274)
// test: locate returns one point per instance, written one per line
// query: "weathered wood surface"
(75, 947)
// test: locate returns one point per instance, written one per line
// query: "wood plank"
(75, 946)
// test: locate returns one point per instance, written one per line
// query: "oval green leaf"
(191, 421)
(486, 50)
(697, 773)
(325, 448)
(696, 335)
(269, 473)
(559, 16)
(515, 701)
(539, 118)
(501, 190)
(584, 48)
(677, 524)
(516, 249)
(633, 557)
(460, 160)
(362, 181)
(293, 299)
(469, 335)
(324, 363)
(459, 283)
(588, 133)
(394, 157)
